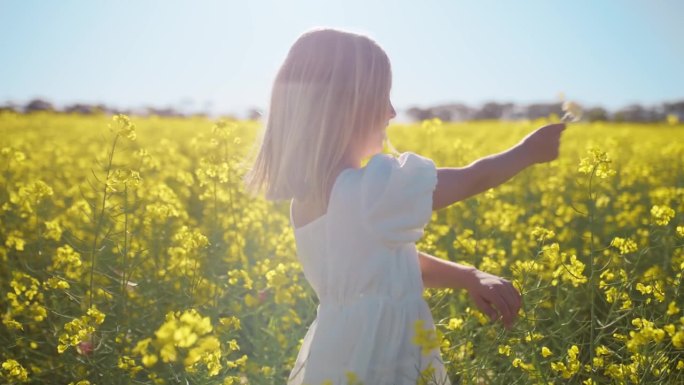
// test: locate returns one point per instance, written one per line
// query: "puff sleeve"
(396, 196)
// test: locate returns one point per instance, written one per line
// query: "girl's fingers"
(511, 301)
(484, 306)
(515, 298)
(501, 304)
(518, 297)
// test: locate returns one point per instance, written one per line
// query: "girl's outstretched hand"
(542, 144)
(495, 296)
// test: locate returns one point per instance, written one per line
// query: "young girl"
(355, 227)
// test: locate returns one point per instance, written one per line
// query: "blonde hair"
(331, 90)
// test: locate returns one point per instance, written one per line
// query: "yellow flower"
(541, 234)
(534, 336)
(250, 300)
(80, 329)
(625, 246)
(13, 370)
(598, 162)
(15, 240)
(168, 353)
(644, 289)
(267, 370)
(231, 380)
(352, 378)
(455, 323)
(545, 351)
(149, 360)
(662, 214)
(680, 231)
(678, 339)
(570, 272)
(427, 339)
(56, 283)
(122, 126)
(184, 336)
(602, 350)
(672, 308)
(427, 375)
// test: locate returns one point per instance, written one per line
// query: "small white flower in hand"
(573, 112)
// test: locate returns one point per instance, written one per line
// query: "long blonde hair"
(331, 90)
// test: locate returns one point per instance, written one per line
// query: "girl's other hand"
(495, 296)
(542, 145)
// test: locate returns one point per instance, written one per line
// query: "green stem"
(99, 221)
(591, 271)
(125, 255)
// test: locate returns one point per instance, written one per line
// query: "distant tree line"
(447, 112)
(89, 109)
(512, 111)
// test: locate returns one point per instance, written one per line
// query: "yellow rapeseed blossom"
(242, 361)
(184, 336)
(572, 366)
(427, 375)
(625, 246)
(123, 126)
(15, 240)
(571, 271)
(67, 261)
(672, 308)
(662, 214)
(598, 162)
(266, 371)
(541, 234)
(427, 339)
(80, 329)
(231, 322)
(53, 230)
(352, 378)
(455, 323)
(678, 339)
(680, 231)
(28, 196)
(646, 333)
(25, 300)
(13, 371)
(533, 336)
(128, 364)
(56, 283)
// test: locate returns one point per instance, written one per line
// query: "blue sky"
(221, 56)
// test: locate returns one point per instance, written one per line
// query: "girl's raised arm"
(455, 184)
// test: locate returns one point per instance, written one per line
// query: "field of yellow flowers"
(131, 253)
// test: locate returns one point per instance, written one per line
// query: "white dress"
(360, 258)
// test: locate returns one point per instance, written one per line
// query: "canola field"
(131, 253)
